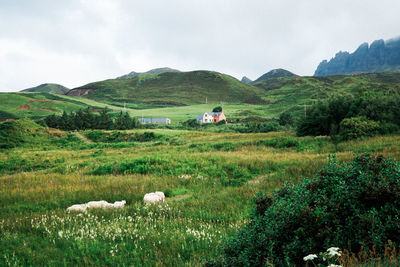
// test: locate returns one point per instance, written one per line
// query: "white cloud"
(76, 42)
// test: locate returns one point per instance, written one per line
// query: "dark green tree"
(217, 109)
(104, 121)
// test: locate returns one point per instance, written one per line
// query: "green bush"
(349, 206)
(388, 128)
(257, 127)
(118, 137)
(356, 127)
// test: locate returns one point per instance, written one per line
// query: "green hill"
(295, 92)
(172, 89)
(51, 88)
(36, 105)
(276, 73)
(153, 71)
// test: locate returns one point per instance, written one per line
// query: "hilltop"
(172, 89)
(275, 73)
(380, 56)
(152, 71)
(51, 88)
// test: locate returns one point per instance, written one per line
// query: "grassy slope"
(51, 88)
(180, 88)
(35, 105)
(38, 184)
(292, 93)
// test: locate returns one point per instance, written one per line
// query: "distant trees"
(86, 119)
(325, 117)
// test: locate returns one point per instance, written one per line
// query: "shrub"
(349, 205)
(356, 127)
(388, 128)
(257, 127)
(285, 118)
(192, 123)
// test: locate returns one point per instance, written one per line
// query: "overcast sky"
(75, 42)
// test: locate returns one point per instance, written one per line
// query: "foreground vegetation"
(209, 179)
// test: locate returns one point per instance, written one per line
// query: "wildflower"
(310, 257)
(333, 251)
(60, 233)
(334, 265)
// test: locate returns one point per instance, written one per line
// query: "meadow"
(209, 180)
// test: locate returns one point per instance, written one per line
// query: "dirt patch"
(83, 138)
(8, 120)
(55, 132)
(79, 92)
(27, 107)
(24, 107)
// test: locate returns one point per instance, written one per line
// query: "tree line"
(85, 119)
(379, 113)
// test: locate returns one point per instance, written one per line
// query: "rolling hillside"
(293, 93)
(51, 88)
(37, 105)
(172, 89)
(153, 71)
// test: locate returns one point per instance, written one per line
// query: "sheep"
(161, 194)
(102, 204)
(119, 204)
(78, 207)
(97, 204)
(154, 198)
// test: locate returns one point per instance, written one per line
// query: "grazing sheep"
(78, 207)
(154, 198)
(102, 204)
(161, 194)
(119, 204)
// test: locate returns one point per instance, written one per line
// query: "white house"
(210, 117)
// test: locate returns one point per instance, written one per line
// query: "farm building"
(155, 120)
(211, 117)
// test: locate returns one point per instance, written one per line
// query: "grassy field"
(208, 178)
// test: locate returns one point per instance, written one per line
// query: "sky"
(75, 42)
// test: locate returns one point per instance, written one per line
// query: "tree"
(217, 109)
(105, 121)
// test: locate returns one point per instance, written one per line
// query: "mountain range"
(380, 56)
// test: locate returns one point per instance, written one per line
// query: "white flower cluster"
(310, 257)
(331, 253)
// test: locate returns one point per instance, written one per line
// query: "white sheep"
(78, 207)
(102, 204)
(161, 194)
(154, 198)
(119, 204)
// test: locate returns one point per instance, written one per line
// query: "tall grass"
(217, 175)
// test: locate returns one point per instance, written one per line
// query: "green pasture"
(209, 180)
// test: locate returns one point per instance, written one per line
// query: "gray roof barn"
(155, 120)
